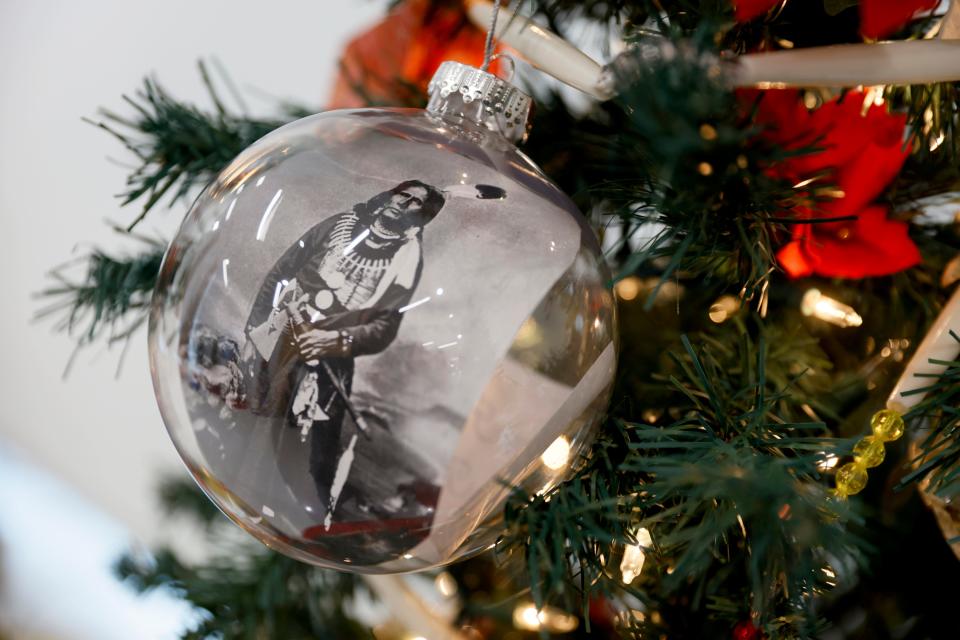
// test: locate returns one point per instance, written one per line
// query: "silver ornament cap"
(460, 90)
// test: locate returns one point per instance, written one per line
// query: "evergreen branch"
(114, 295)
(661, 14)
(696, 164)
(245, 590)
(730, 491)
(179, 496)
(178, 145)
(252, 593)
(932, 110)
(933, 117)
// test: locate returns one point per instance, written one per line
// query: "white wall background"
(61, 60)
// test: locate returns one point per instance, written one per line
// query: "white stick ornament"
(849, 65)
(941, 346)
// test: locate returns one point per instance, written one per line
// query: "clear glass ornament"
(375, 321)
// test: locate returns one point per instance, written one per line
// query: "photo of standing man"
(335, 295)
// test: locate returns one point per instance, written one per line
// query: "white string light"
(829, 310)
(634, 556)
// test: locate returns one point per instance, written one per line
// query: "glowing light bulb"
(829, 310)
(628, 288)
(529, 335)
(634, 556)
(724, 308)
(828, 462)
(557, 454)
(445, 584)
(526, 617)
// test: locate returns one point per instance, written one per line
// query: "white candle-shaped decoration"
(937, 348)
(850, 65)
(847, 65)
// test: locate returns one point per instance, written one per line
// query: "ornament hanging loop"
(513, 65)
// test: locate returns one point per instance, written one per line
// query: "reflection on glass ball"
(367, 324)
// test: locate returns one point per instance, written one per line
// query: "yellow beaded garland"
(851, 479)
(869, 451)
(887, 425)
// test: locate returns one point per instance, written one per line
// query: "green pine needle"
(243, 590)
(693, 179)
(112, 298)
(179, 146)
(251, 592)
(730, 491)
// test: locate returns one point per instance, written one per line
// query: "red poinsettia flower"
(871, 245)
(878, 18)
(395, 59)
(747, 10)
(861, 152)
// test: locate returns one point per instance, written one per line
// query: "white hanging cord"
(908, 62)
(488, 46)
(542, 48)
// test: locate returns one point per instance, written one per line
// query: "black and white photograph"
(340, 293)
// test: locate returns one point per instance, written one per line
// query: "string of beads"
(887, 425)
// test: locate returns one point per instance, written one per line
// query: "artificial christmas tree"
(778, 264)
